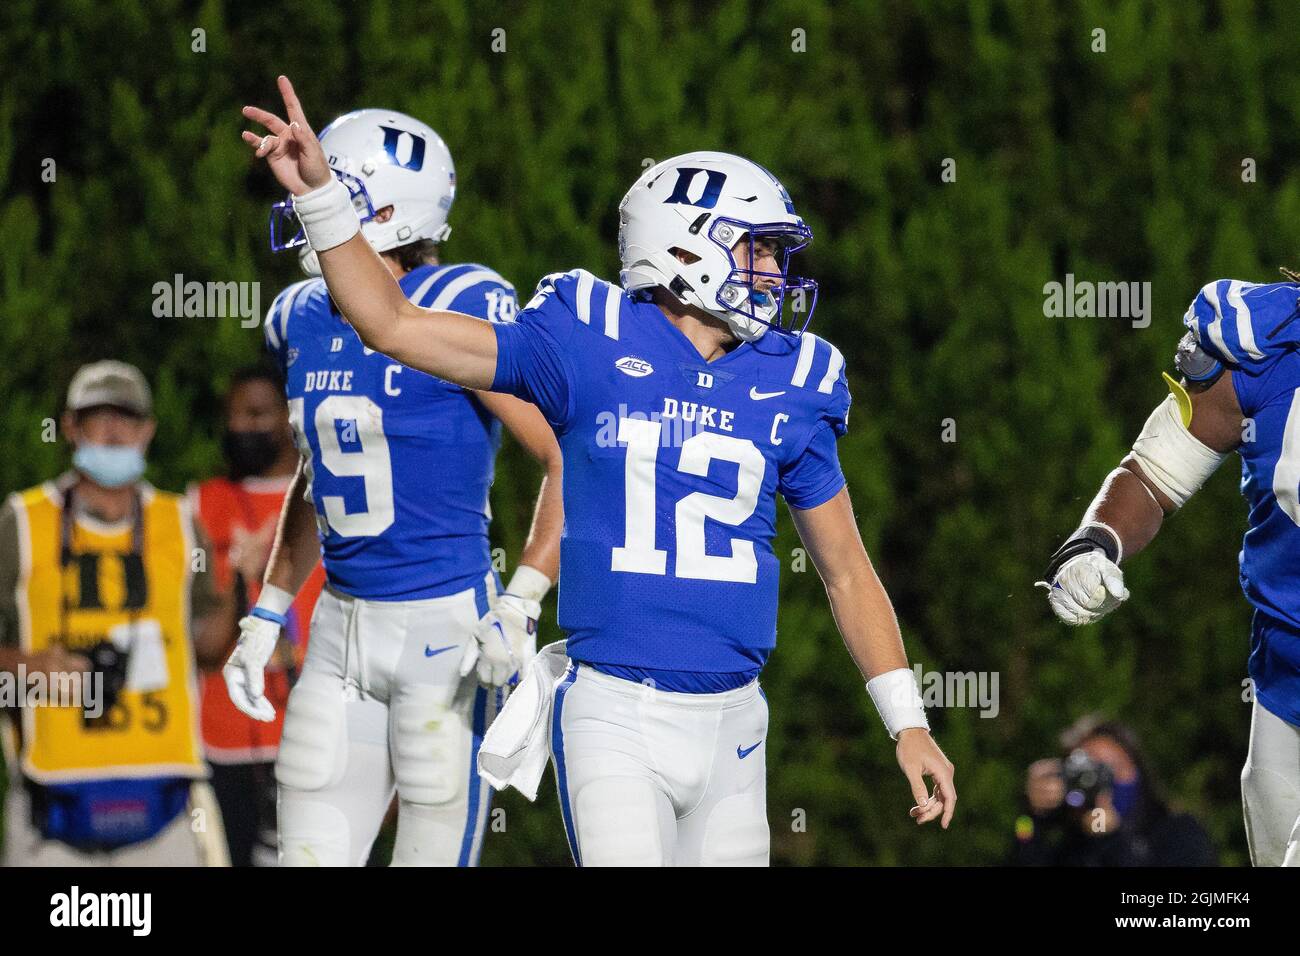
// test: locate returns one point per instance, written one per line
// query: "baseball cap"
(110, 383)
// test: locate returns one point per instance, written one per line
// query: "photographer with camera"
(1100, 805)
(102, 577)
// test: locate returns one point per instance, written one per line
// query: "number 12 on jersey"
(638, 554)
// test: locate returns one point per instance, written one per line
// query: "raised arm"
(454, 347)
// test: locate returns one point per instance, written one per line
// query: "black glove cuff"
(1090, 537)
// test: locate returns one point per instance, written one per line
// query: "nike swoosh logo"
(758, 396)
(743, 752)
(433, 652)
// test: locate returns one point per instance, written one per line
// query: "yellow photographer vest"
(83, 585)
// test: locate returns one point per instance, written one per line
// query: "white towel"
(517, 746)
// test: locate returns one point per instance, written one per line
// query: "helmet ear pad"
(688, 277)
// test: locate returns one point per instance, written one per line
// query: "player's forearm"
(216, 632)
(861, 607)
(1176, 452)
(1129, 507)
(866, 620)
(365, 292)
(542, 549)
(296, 548)
(454, 347)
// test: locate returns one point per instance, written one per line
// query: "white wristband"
(327, 215)
(896, 696)
(273, 599)
(528, 583)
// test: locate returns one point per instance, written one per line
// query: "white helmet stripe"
(462, 282)
(807, 347)
(832, 371)
(613, 304)
(586, 282)
(1215, 328)
(1245, 334)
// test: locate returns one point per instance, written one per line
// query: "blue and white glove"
(245, 669)
(505, 640)
(1087, 588)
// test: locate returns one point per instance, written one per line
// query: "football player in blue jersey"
(393, 491)
(683, 404)
(1239, 390)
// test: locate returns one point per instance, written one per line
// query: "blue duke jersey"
(399, 463)
(1254, 330)
(671, 469)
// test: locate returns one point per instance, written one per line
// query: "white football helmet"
(704, 203)
(385, 158)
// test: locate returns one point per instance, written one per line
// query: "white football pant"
(1270, 790)
(381, 706)
(653, 778)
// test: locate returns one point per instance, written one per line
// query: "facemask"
(249, 453)
(110, 466)
(1125, 796)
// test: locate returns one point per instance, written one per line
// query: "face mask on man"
(249, 453)
(110, 466)
(1125, 796)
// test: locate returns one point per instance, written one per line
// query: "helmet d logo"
(686, 178)
(393, 138)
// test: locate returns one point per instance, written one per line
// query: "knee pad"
(313, 747)
(431, 751)
(1272, 804)
(618, 823)
(736, 833)
(312, 832)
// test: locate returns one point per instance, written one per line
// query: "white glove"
(245, 670)
(505, 641)
(1087, 588)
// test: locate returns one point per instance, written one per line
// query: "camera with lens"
(108, 662)
(1085, 779)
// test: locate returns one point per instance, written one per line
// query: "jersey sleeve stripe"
(613, 306)
(807, 348)
(586, 285)
(423, 288)
(832, 371)
(268, 326)
(1245, 332)
(287, 299)
(1214, 328)
(462, 282)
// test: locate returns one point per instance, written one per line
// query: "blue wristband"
(271, 616)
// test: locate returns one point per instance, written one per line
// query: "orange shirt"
(239, 519)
